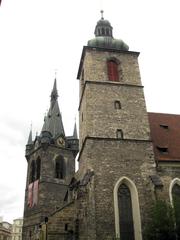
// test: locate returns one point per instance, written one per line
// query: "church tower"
(51, 165)
(114, 139)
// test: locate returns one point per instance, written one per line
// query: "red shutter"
(113, 71)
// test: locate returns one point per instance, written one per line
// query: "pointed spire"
(75, 132)
(53, 121)
(30, 137)
(54, 94)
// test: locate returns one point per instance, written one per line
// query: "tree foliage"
(162, 222)
(176, 203)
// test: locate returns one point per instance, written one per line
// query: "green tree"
(161, 225)
(176, 203)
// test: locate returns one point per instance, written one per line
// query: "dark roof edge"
(168, 161)
(160, 113)
(100, 49)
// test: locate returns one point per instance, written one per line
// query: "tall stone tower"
(51, 165)
(114, 139)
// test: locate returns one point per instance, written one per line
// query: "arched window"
(107, 31)
(126, 209)
(175, 199)
(103, 31)
(32, 172)
(38, 168)
(59, 168)
(113, 73)
(125, 213)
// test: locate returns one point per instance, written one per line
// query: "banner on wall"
(30, 195)
(35, 192)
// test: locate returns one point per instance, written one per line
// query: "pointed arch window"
(38, 168)
(126, 209)
(59, 168)
(176, 204)
(113, 73)
(32, 172)
(125, 213)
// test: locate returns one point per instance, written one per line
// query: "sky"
(41, 37)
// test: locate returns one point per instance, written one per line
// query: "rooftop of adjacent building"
(165, 135)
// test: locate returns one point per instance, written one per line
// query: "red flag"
(30, 195)
(0, 2)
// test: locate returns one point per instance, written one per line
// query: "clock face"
(61, 141)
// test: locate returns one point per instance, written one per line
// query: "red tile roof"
(165, 135)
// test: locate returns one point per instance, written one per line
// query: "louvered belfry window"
(113, 71)
(59, 168)
(125, 213)
(32, 172)
(38, 168)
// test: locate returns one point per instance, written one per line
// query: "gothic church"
(127, 156)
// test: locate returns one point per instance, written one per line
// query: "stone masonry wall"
(111, 160)
(97, 114)
(51, 190)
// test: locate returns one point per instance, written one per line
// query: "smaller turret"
(73, 142)
(75, 132)
(29, 145)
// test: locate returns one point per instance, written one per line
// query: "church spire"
(53, 121)
(54, 94)
(75, 136)
(29, 142)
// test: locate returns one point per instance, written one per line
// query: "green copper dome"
(104, 37)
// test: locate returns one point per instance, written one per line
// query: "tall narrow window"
(126, 209)
(176, 204)
(113, 70)
(103, 31)
(38, 168)
(119, 133)
(32, 172)
(125, 213)
(59, 168)
(117, 105)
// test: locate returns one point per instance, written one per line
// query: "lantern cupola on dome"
(104, 36)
